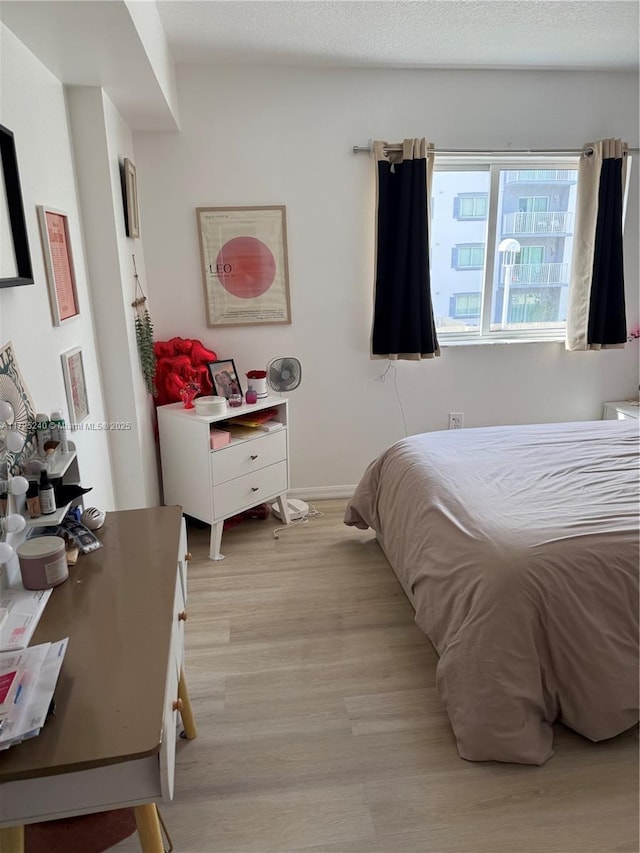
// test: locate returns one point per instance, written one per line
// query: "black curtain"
(607, 315)
(403, 322)
(596, 315)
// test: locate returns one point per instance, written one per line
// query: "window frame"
(494, 165)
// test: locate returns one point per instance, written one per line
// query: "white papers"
(27, 715)
(24, 611)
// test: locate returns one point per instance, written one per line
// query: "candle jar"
(251, 396)
(235, 398)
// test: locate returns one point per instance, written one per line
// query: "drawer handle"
(254, 456)
(187, 557)
(254, 488)
(182, 616)
(177, 705)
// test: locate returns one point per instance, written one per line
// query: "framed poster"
(75, 385)
(15, 257)
(58, 261)
(244, 265)
(130, 184)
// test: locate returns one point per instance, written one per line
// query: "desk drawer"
(248, 456)
(245, 492)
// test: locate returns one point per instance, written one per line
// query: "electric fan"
(284, 374)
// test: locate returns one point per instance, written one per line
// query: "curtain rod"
(358, 149)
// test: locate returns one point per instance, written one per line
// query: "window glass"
(519, 284)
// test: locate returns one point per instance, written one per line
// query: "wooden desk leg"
(216, 541)
(12, 839)
(148, 828)
(186, 713)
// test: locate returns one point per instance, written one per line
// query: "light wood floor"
(320, 729)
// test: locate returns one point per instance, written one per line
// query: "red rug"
(93, 833)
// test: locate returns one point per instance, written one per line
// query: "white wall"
(261, 136)
(101, 141)
(32, 105)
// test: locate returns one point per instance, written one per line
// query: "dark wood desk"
(111, 742)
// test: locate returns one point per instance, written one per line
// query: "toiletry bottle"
(43, 433)
(33, 500)
(57, 423)
(47, 495)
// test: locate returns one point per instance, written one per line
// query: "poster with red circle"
(244, 265)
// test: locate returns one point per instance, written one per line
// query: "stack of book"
(262, 420)
(28, 679)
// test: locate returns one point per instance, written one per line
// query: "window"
(465, 306)
(470, 206)
(469, 257)
(501, 247)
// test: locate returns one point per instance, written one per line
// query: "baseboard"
(322, 493)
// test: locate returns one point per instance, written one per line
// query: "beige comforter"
(518, 548)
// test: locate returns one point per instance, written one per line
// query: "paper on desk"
(30, 709)
(24, 608)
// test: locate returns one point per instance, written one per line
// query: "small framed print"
(224, 378)
(75, 385)
(58, 261)
(130, 185)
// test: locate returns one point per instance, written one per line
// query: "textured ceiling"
(554, 34)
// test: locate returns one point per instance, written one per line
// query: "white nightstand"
(212, 485)
(624, 411)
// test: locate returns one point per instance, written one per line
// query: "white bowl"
(210, 405)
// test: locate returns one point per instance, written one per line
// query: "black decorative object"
(16, 211)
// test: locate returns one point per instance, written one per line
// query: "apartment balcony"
(525, 275)
(536, 176)
(547, 222)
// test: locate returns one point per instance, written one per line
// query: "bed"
(518, 548)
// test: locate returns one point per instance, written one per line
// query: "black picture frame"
(15, 209)
(129, 181)
(224, 376)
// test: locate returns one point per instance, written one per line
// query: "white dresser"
(212, 485)
(622, 411)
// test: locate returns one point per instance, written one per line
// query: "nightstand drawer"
(250, 490)
(248, 456)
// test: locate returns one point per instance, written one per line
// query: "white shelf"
(231, 411)
(62, 464)
(49, 520)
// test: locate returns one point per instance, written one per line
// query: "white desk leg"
(284, 508)
(12, 839)
(216, 541)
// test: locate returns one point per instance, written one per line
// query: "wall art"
(243, 251)
(58, 261)
(15, 268)
(75, 385)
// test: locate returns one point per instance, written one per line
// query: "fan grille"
(284, 374)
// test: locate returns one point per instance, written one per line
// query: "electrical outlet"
(456, 420)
